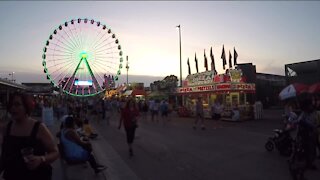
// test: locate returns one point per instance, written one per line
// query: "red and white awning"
(314, 88)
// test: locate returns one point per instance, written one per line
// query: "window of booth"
(242, 98)
(228, 100)
(234, 98)
(212, 98)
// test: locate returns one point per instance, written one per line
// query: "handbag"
(134, 123)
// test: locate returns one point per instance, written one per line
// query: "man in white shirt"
(199, 114)
(217, 110)
(151, 107)
(257, 107)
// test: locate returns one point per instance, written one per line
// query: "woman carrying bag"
(129, 118)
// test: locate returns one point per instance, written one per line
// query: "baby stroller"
(281, 140)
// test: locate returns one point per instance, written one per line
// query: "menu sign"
(235, 75)
(200, 78)
(250, 87)
(196, 89)
(219, 87)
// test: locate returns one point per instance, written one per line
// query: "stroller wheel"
(269, 146)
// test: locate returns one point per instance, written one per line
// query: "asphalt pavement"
(225, 150)
(174, 151)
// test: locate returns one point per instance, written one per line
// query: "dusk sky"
(268, 34)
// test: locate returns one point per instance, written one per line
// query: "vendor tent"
(127, 93)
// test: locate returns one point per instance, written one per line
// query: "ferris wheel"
(82, 57)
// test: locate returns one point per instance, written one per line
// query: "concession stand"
(110, 93)
(229, 89)
(135, 90)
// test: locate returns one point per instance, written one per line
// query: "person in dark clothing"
(145, 109)
(129, 118)
(22, 133)
(308, 131)
(103, 108)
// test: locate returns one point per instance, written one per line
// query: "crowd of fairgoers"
(56, 106)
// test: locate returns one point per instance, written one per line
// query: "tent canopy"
(134, 92)
(314, 88)
(127, 93)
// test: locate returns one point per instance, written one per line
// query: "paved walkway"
(118, 169)
(105, 154)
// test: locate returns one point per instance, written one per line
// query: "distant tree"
(171, 82)
(168, 84)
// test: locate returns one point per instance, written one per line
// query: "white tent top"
(127, 93)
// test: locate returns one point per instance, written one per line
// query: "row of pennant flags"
(213, 67)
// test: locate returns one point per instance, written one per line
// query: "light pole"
(180, 62)
(180, 54)
(11, 74)
(127, 67)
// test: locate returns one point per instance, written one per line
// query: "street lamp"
(180, 54)
(11, 74)
(127, 67)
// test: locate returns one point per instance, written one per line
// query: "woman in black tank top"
(24, 132)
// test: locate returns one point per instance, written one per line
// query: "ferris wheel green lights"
(78, 54)
(83, 55)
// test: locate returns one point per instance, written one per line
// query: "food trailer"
(230, 89)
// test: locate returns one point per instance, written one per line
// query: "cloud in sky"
(268, 34)
(28, 77)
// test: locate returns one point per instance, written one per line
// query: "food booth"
(110, 93)
(135, 90)
(229, 89)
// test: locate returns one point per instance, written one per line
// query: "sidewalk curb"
(117, 168)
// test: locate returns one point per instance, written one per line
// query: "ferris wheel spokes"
(76, 73)
(71, 81)
(95, 83)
